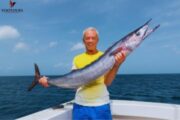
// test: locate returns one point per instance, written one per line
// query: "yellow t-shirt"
(94, 93)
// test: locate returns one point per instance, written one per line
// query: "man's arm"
(44, 80)
(109, 77)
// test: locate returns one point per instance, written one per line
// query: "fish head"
(136, 37)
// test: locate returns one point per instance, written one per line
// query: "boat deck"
(121, 110)
(118, 117)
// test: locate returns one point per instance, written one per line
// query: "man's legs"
(103, 112)
(80, 112)
(91, 113)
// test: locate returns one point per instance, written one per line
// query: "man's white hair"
(90, 28)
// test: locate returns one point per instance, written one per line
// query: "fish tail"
(37, 76)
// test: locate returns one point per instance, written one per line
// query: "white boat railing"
(121, 109)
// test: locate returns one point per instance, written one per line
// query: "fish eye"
(137, 33)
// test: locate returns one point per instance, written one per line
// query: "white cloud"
(53, 44)
(20, 46)
(77, 46)
(35, 48)
(8, 32)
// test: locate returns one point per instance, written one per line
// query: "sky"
(49, 33)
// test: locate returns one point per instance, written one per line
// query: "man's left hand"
(119, 57)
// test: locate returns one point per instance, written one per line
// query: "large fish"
(77, 78)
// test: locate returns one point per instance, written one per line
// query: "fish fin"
(37, 76)
(116, 51)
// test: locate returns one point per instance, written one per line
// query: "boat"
(121, 110)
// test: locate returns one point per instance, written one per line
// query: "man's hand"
(109, 77)
(119, 57)
(43, 81)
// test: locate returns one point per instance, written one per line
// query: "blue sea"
(15, 101)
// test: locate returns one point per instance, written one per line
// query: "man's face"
(90, 40)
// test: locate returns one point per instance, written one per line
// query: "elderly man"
(92, 100)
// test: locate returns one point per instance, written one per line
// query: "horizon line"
(116, 74)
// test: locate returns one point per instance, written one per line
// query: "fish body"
(127, 44)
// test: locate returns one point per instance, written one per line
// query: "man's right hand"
(43, 81)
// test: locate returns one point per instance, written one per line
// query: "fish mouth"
(148, 30)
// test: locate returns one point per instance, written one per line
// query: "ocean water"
(15, 101)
